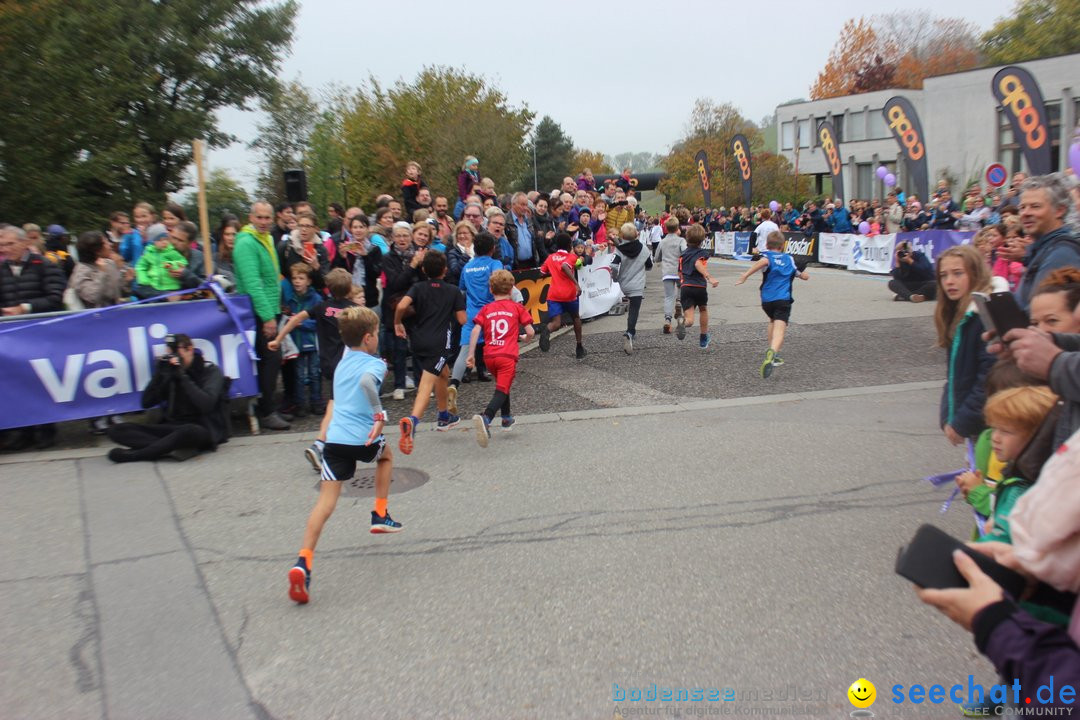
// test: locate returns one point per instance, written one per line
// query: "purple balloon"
(864, 228)
(881, 172)
(890, 180)
(1074, 157)
(773, 205)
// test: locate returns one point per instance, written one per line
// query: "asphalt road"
(666, 518)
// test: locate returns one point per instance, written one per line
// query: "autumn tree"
(289, 116)
(1038, 28)
(99, 102)
(595, 161)
(855, 49)
(437, 119)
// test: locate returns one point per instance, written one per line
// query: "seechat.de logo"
(744, 161)
(899, 123)
(1016, 98)
(828, 145)
(702, 174)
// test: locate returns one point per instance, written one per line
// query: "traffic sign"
(996, 175)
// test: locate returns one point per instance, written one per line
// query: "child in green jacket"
(155, 264)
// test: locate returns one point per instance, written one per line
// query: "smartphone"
(309, 248)
(999, 312)
(927, 561)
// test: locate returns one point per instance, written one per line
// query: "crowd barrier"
(599, 291)
(92, 363)
(863, 253)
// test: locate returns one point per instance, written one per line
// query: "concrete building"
(964, 127)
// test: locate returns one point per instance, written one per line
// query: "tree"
(224, 195)
(590, 159)
(554, 156)
(100, 101)
(436, 120)
(636, 161)
(325, 160)
(855, 49)
(878, 75)
(1038, 28)
(290, 115)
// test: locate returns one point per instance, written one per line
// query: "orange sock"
(380, 507)
(307, 555)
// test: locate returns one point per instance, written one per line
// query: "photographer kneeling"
(192, 392)
(913, 276)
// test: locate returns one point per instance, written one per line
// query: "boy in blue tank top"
(779, 274)
(355, 435)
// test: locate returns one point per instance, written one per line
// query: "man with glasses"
(256, 267)
(474, 213)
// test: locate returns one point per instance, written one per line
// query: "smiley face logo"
(862, 693)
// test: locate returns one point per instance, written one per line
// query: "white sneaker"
(399, 394)
(410, 384)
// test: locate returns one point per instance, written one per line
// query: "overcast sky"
(618, 76)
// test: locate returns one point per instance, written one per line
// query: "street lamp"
(536, 183)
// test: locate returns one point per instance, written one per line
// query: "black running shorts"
(339, 461)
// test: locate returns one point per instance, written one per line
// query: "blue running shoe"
(507, 423)
(483, 432)
(704, 341)
(446, 422)
(384, 524)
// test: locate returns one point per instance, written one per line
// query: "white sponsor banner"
(834, 248)
(872, 254)
(599, 292)
(724, 243)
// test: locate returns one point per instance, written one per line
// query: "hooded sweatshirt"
(667, 254)
(632, 259)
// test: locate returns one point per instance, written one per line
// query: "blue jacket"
(304, 336)
(1053, 250)
(841, 220)
(964, 395)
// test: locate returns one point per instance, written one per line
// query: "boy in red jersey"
(501, 322)
(563, 293)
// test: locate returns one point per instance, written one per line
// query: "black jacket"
(964, 395)
(539, 248)
(372, 270)
(545, 224)
(197, 395)
(919, 271)
(455, 261)
(41, 283)
(400, 276)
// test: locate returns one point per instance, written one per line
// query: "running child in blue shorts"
(780, 272)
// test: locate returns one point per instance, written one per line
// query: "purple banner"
(96, 363)
(933, 242)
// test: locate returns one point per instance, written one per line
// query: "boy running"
(501, 321)
(694, 277)
(355, 435)
(780, 273)
(331, 345)
(438, 305)
(475, 283)
(563, 293)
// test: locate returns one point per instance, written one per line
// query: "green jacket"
(256, 269)
(1006, 494)
(151, 271)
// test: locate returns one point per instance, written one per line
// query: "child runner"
(355, 435)
(563, 293)
(474, 281)
(501, 321)
(633, 261)
(331, 345)
(437, 306)
(961, 270)
(779, 274)
(667, 253)
(694, 275)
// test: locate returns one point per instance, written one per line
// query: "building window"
(856, 127)
(1009, 153)
(1053, 119)
(838, 126)
(878, 129)
(864, 179)
(814, 130)
(787, 136)
(805, 134)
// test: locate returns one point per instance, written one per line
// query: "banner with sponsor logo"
(534, 286)
(724, 243)
(1022, 102)
(872, 253)
(831, 148)
(904, 123)
(934, 242)
(834, 248)
(742, 246)
(701, 162)
(802, 247)
(740, 148)
(599, 291)
(95, 363)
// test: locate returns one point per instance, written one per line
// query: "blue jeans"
(308, 376)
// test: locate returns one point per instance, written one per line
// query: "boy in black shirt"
(694, 277)
(331, 347)
(437, 305)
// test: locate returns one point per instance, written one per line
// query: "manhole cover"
(401, 480)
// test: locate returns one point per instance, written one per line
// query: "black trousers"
(152, 442)
(632, 315)
(905, 289)
(268, 368)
